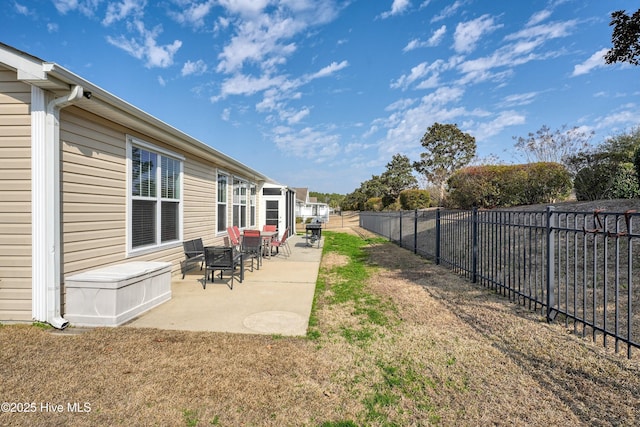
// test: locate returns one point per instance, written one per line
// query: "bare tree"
(553, 146)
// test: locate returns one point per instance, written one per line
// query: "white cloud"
(437, 36)
(427, 75)
(263, 40)
(21, 9)
(241, 84)
(468, 33)
(329, 69)
(195, 68)
(417, 72)
(434, 40)
(486, 130)
(405, 127)
(627, 115)
(448, 11)
(521, 50)
(123, 10)
(52, 27)
(260, 42)
(308, 143)
(398, 7)
(64, 6)
(193, 13)
(595, 61)
(519, 99)
(146, 47)
(244, 7)
(401, 104)
(162, 82)
(266, 39)
(538, 17)
(86, 7)
(547, 31)
(226, 114)
(294, 117)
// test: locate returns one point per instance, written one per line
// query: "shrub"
(414, 199)
(625, 182)
(373, 204)
(395, 206)
(592, 183)
(508, 185)
(607, 181)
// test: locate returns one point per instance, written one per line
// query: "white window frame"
(253, 206)
(226, 203)
(240, 201)
(160, 152)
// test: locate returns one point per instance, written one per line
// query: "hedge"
(414, 199)
(508, 185)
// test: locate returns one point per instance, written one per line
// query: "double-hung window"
(155, 196)
(239, 203)
(222, 202)
(252, 204)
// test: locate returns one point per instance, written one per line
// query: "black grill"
(313, 233)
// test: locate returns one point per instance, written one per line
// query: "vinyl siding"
(15, 198)
(93, 192)
(200, 202)
(94, 196)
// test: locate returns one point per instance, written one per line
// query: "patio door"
(272, 208)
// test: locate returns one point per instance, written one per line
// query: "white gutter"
(47, 299)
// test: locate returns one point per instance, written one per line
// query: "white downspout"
(52, 203)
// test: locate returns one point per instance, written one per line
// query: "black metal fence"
(583, 266)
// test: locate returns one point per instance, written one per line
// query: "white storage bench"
(113, 295)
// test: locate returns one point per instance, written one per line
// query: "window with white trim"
(252, 204)
(222, 202)
(155, 196)
(239, 203)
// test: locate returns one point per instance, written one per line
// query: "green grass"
(350, 288)
(190, 418)
(41, 325)
(376, 319)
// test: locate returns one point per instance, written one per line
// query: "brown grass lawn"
(418, 346)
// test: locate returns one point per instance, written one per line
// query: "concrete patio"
(276, 299)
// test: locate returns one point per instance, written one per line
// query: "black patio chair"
(252, 247)
(222, 258)
(193, 254)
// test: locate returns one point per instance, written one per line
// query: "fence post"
(550, 261)
(400, 239)
(415, 231)
(438, 236)
(474, 244)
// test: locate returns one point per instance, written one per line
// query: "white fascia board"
(24, 64)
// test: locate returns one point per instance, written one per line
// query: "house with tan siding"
(88, 180)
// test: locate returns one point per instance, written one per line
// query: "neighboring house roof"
(55, 78)
(302, 195)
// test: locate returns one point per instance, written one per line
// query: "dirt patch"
(332, 260)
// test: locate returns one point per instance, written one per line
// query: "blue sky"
(322, 93)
